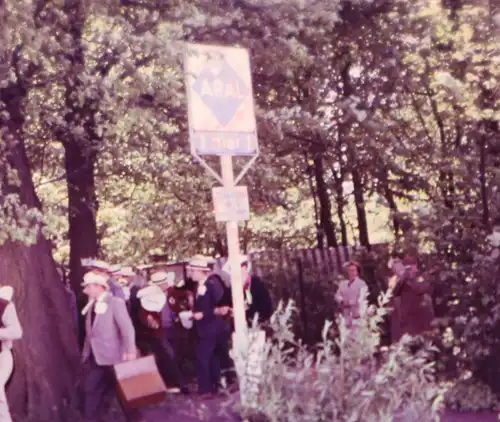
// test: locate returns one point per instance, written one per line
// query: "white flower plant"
(345, 379)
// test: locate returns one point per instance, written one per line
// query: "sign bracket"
(207, 167)
(245, 168)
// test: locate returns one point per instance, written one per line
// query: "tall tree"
(44, 383)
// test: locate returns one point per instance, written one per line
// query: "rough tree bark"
(325, 208)
(80, 152)
(46, 359)
(82, 207)
(357, 180)
(339, 179)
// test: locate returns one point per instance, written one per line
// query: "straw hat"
(97, 279)
(126, 272)
(162, 277)
(113, 269)
(152, 298)
(199, 263)
(95, 263)
(206, 258)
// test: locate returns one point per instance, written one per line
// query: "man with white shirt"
(350, 293)
(10, 329)
(109, 340)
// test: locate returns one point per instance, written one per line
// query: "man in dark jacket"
(257, 297)
(415, 307)
(209, 326)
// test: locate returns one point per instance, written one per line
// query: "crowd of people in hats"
(132, 312)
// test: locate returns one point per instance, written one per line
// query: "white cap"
(199, 263)
(114, 269)
(162, 277)
(6, 293)
(95, 263)
(152, 298)
(126, 272)
(93, 278)
(207, 259)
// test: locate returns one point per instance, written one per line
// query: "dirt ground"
(221, 409)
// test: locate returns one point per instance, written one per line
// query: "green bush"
(347, 378)
(471, 395)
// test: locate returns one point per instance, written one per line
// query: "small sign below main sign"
(231, 204)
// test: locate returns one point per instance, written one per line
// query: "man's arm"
(419, 287)
(12, 329)
(124, 323)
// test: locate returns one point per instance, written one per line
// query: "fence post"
(303, 310)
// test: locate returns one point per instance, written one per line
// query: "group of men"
(127, 316)
(411, 312)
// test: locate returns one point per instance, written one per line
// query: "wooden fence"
(326, 261)
(308, 277)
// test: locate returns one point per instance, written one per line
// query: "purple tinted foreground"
(194, 410)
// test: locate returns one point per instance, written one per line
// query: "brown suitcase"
(140, 383)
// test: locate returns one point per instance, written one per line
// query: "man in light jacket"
(110, 339)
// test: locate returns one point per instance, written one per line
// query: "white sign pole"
(222, 122)
(233, 243)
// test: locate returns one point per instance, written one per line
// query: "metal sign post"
(222, 123)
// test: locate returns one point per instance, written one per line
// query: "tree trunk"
(80, 151)
(389, 197)
(359, 196)
(483, 182)
(46, 358)
(317, 221)
(82, 208)
(339, 178)
(341, 215)
(359, 201)
(325, 211)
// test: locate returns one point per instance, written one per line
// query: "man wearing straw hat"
(110, 339)
(153, 316)
(351, 292)
(210, 328)
(124, 277)
(103, 268)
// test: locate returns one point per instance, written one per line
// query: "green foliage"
(397, 100)
(18, 223)
(344, 378)
(471, 395)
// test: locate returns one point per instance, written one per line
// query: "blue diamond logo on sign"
(222, 90)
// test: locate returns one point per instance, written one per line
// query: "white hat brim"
(6, 293)
(153, 303)
(97, 283)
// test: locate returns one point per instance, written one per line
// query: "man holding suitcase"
(109, 339)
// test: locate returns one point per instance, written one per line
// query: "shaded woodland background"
(378, 123)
